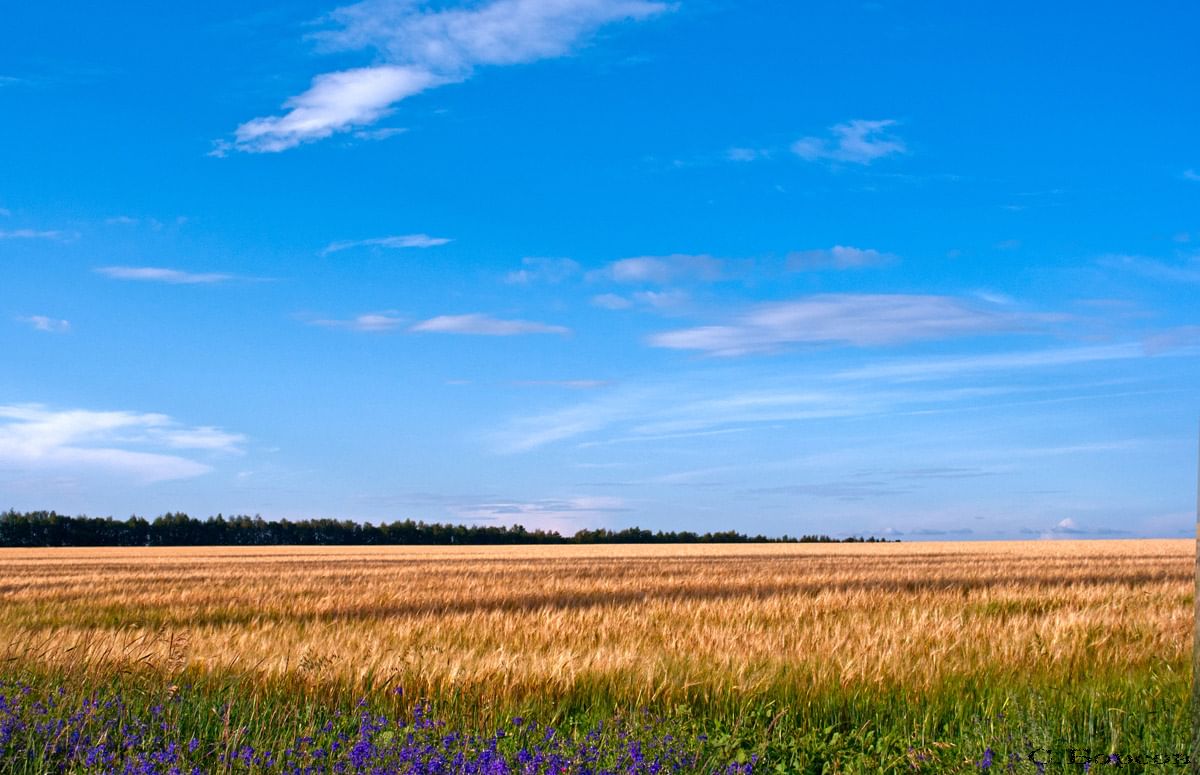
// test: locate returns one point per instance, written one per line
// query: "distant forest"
(47, 528)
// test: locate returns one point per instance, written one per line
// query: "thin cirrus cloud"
(421, 49)
(32, 234)
(395, 242)
(137, 446)
(47, 324)
(659, 270)
(539, 269)
(163, 275)
(860, 320)
(484, 325)
(838, 257)
(475, 324)
(854, 142)
(372, 322)
(656, 300)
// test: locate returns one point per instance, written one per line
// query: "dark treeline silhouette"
(47, 528)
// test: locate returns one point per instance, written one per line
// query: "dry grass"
(632, 623)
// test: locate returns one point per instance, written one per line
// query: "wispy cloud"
(537, 269)
(657, 270)
(484, 325)
(163, 275)
(860, 320)
(611, 301)
(5, 212)
(694, 406)
(669, 299)
(336, 102)
(838, 257)
(398, 241)
(854, 142)
(32, 234)
(421, 49)
(380, 134)
(1191, 175)
(1069, 528)
(937, 368)
(127, 444)
(48, 324)
(372, 322)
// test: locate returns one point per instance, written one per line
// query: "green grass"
(852, 730)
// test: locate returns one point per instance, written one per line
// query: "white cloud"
(837, 257)
(537, 269)
(36, 438)
(397, 241)
(336, 102)
(162, 275)
(31, 234)
(661, 269)
(122, 220)
(484, 325)
(202, 437)
(43, 323)
(371, 322)
(861, 320)
(611, 301)
(854, 142)
(658, 300)
(423, 48)
(1191, 175)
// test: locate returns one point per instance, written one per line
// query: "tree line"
(48, 528)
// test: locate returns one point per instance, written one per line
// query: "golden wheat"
(634, 622)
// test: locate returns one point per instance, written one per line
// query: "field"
(851, 658)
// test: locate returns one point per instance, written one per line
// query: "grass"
(861, 658)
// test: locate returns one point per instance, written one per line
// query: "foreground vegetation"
(812, 658)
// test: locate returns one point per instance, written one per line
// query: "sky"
(917, 270)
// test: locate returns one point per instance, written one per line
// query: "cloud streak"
(483, 325)
(421, 49)
(371, 322)
(397, 241)
(31, 234)
(659, 270)
(163, 275)
(860, 320)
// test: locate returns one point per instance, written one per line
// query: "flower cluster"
(104, 734)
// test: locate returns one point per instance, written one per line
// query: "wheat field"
(629, 624)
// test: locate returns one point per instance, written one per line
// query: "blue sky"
(918, 269)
